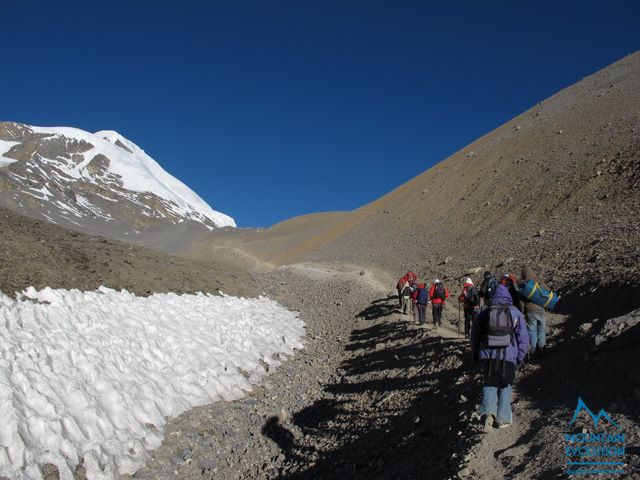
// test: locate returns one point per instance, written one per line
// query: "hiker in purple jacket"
(499, 341)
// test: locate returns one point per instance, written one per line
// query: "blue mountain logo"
(602, 415)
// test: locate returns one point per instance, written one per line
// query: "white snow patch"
(43, 191)
(4, 148)
(85, 203)
(138, 171)
(87, 374)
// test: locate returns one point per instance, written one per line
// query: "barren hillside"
(557, 186)
(40, 254)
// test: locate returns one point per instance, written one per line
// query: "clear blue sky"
(271, 109)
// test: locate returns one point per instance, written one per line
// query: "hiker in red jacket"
(438, 295)
(470, 301)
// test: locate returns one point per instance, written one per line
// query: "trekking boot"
(488, 423)
(504, 425)
(540, 352)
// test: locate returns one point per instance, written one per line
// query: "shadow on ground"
(401, 407)
(396, 411)
(382, 307)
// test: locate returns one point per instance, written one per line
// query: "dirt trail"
(377, 280)
(367, 374)
(391, 400)
(491, 456)
(372, 395)
(403, 389)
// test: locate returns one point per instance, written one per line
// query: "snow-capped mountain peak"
(70, 176)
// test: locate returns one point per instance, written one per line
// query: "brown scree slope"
(558, 187)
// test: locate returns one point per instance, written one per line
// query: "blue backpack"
(532, 291)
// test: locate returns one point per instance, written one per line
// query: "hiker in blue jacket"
(421, 297)
(500, 342)
(535, 317)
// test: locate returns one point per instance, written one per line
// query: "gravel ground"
(364, 399)
(255, 437)
(375, 396)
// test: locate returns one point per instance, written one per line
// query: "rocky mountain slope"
(558, 186)
(98, 183)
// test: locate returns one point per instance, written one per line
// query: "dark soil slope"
(39, 254)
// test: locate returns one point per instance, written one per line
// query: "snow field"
(4, 148)
(92, 375)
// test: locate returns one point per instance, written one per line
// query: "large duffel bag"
(533, 292)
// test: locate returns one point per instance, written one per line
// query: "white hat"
(436, 281)
(468, 280)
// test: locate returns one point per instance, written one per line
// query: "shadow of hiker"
(378, 335)
(399, 409)
(319, 414)
(386, 299)
(279, 434)
(285, 440)
(382, 307)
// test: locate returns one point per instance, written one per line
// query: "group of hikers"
(414, 297)
(504, 321)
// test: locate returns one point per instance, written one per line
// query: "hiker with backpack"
(438, 294)
(414, 305)
(535, 316)
(409, 278)
(399, 286)
(470, 301)
(510, 282)
(406, 293)
(488, 288)
(421, 297)
(499, 342)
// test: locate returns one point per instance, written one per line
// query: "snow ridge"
(94, 374)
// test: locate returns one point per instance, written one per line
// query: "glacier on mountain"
(137, 171)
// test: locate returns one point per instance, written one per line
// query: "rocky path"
(249, 438)
(372, 396)
(494, 455)
(544, 399)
